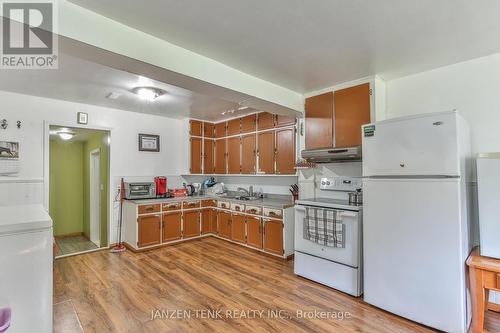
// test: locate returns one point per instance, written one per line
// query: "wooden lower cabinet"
(254, 232)
(273, 236)
(191, 224)
(224, 219)
(238, 229)
(149, 230)
(172, 226)
(213, 221)
(207, 221)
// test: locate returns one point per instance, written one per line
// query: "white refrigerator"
(26, 267)
(416, 231)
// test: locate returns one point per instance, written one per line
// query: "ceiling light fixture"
(65, 134)
(148, 93)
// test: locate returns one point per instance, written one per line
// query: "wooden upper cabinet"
(284, 120)
(273, 236)
(234, 126)
(195, 155)
(265, 120)
(285, 151)
(220, 156)
(233, 155)
(171, 226)
(266, 152)
(254, 232)
(149, 230)
(220, 130)
(248, 154)
(238, 228)
(191, 220)
(319, 121)
(248, 123)
(195, 127)
(352, 109)
(208, 156)
(224, 224)
(208, 130)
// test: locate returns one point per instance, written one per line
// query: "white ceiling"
(82, 81)
(307, 45)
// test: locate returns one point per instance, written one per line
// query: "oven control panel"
(347, 184)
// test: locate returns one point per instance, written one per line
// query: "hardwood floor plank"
(121, 292)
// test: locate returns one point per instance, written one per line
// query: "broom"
(120, 247)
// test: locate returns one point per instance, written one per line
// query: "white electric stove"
(339, 268)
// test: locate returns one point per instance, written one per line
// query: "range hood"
(332, 155)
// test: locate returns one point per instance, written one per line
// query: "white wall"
(471, 87)
(126, 160)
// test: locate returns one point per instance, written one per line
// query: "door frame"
(95, 217)
(46, 169)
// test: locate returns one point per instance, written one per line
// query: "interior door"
(352, 110)
(233, 155)
(208, 156)
(220, 156)
(225, 224)
(238, 229)
(191, 224)
(248, 154)
(195, 155)
(149, 230)
(273, 236)
(266, 152)
(171, 226)
(285, 151)
(319, 121)
(414, 246)
(254, 232)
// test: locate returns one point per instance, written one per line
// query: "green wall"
(66, 186)
(96, 141)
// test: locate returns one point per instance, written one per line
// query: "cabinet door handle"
(150, 209)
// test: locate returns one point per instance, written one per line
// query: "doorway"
(78, 188)
(95, 196)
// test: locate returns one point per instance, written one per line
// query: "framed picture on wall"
(9, 149)
(149, 142)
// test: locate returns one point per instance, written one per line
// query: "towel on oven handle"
(325, 227)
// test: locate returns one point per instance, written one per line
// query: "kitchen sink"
(243, 198)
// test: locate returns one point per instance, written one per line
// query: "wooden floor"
(74, 244)
(105, 292)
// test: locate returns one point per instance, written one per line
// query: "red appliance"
(161, 186)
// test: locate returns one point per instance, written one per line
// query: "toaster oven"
(140, 190)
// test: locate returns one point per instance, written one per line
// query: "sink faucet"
(248, 192)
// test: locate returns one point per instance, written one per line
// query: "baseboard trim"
(71, 234)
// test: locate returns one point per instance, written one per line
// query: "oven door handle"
(348, 214)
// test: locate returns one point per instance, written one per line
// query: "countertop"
(276, 201)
